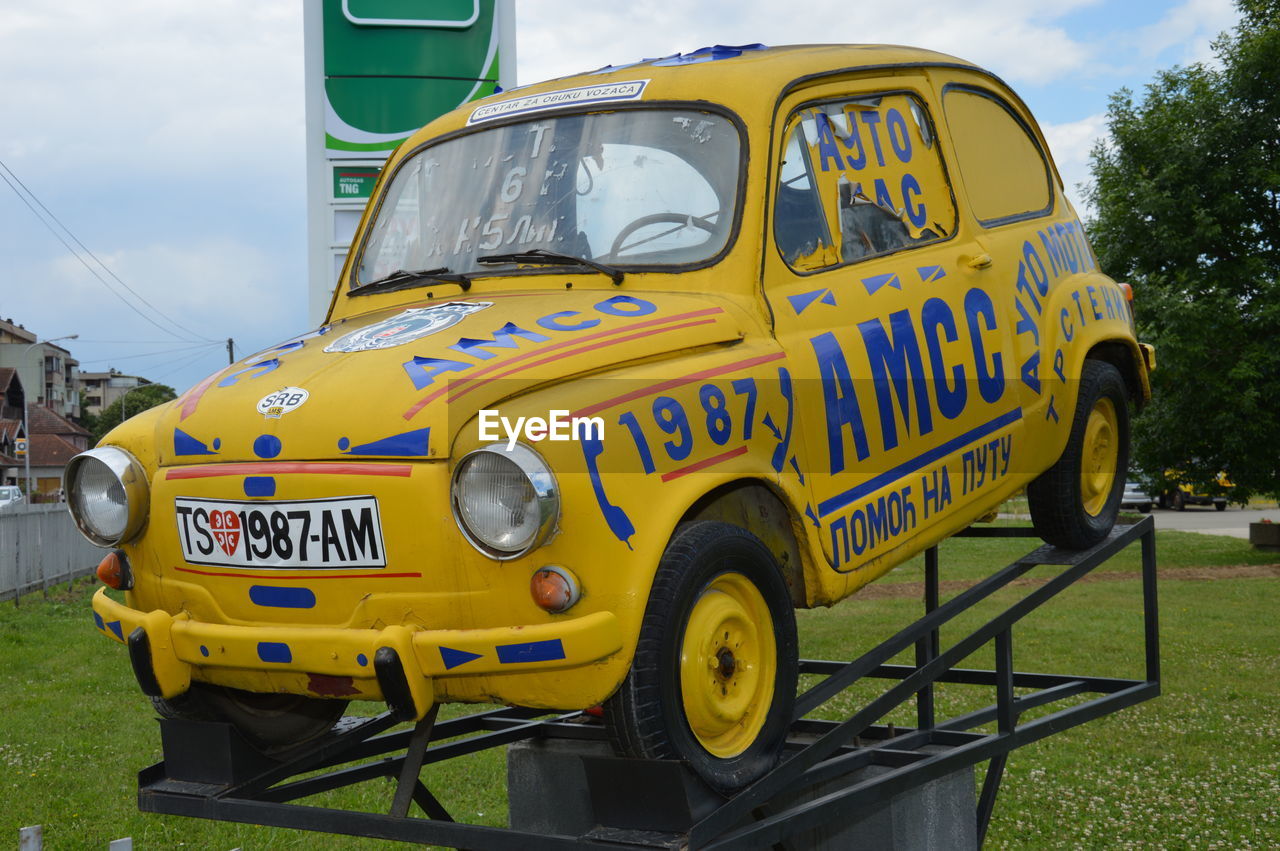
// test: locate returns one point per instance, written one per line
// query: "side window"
(1005, 174)
(859, 178)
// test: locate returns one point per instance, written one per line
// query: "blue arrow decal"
(453, 658)
(931, 273)
(877, 282)
(803, 300)
(185, 444)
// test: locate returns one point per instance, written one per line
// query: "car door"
(879, 293)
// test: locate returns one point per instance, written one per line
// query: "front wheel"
(1075, 502)
(713, 680)
(270, 722)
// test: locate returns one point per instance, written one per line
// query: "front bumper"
(165, 649)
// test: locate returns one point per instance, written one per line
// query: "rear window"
(1004, 171)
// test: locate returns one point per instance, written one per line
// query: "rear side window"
(1004, 171)
(860, 178)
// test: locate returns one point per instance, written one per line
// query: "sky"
(169, 138)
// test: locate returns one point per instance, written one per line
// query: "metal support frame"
(818, 752)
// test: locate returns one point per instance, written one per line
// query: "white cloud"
(168, 85)
(1070, 145)
(214, 288)
(1190, 28)
(1009, 37)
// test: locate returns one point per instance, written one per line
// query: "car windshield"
(638, 187)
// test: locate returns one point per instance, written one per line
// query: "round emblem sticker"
(277, 404)
(406, 327)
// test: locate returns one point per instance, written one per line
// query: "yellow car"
(622, 369)
(1182, 493)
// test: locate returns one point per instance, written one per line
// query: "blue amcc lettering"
(897, 369)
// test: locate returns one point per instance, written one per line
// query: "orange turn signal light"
(1127, 290)
(554, 589)
(114, 571)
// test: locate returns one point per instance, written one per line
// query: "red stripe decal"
(463, 382)
(704, 463)
(283, 467)
(677, 382)
(286, 578)
(472, 385)
(192, 399)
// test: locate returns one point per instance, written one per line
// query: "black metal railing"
(819, 752)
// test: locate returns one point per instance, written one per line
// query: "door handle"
(979, 261)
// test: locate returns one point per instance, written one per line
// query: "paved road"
(1205, 519)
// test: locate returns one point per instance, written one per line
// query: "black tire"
(1220, 506)
(1063, 513)
(270, 722)
(649, 716)
(1145, 508)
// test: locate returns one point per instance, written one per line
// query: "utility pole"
(231, 351)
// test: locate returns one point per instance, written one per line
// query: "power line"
(82, 340)
(86, 250)
(186, 363)
(155, 353)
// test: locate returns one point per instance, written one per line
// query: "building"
(54, 441)
(100, 389)
(10, 425)
(47, 369)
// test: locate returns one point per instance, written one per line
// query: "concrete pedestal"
(568, 787)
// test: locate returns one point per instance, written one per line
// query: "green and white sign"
(390, 66)
(377, 70)
(354, 182)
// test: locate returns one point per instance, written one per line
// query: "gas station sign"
(376, 71)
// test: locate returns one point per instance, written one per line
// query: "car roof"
(745, 78)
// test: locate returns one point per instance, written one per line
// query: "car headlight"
(506, 503)
(107, 493)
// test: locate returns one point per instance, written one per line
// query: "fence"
(40, 546)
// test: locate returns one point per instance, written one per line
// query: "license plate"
(313, 533)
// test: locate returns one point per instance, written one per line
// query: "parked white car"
(10, 495)
(1135, 497)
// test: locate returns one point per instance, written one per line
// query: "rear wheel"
(1220, 506)
(1075, 502)
(714, 675)
(270, 722)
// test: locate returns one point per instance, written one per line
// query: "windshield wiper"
(403, 279)
(542, 257)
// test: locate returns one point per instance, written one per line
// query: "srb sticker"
(286, 399)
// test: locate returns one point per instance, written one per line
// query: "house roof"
(50, 450)
(6, 377)
(10, 428)
(17, 330)
(44, 421)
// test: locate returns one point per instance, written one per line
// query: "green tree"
(1188, 211)
(131, 404)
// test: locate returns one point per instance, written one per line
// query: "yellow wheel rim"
(1100, 456)
(728, 663)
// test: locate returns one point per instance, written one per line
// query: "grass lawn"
(1198, 767)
